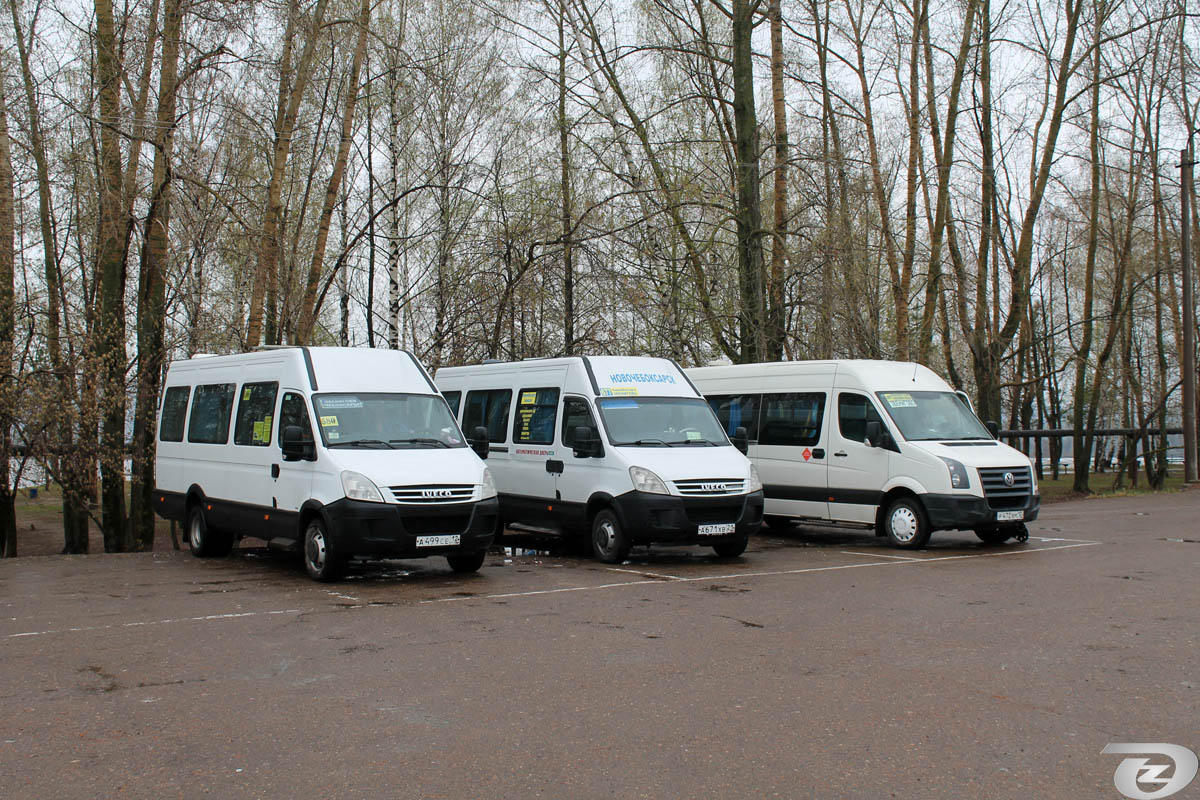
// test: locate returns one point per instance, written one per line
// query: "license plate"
(717, 530)
(1009, 516)
(449, 540)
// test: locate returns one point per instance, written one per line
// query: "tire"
(466, 562)
(321, 560)
(731, 549)
(994, 535)
(609, 542)
(205, 542)
(776, 522)
(905, 525)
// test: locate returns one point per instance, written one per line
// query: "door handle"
(554, 467)
(818, 452)
(274, 470)
(841, 454)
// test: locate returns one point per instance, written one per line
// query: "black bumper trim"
(666, 519)
(379, 529)
(956, 512)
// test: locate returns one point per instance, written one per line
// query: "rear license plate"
(449, 540)
(1009, 516)
(717, 530)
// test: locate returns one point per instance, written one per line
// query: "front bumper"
(966, 512)
(668, 519)
(388, 530)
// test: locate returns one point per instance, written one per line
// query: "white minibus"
(879, 443)
(624, 450)
(339, 451)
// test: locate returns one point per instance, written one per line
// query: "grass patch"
(1101, 485)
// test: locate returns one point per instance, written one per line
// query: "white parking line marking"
(764, 574)
(881, 555)
(647, 574)
(206, 618)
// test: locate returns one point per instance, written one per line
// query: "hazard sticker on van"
(806, 453)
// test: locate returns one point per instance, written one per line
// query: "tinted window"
(575, 414)
(489, 409)
(534, 421)
(792, 419)
(174, 411)
(256, 413)
(211, 407)
(854, 412)
(294, 411)
(452, 400)
(737, 411)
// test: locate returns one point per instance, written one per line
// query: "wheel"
(466, 562)
(905, 524)
(321, 560)
(776, 522)
(206, 543)
(994, 535)
(609, 542)
(731, 549)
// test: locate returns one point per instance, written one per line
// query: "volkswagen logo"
(714, 487)
(1009, 479)
(434, 493)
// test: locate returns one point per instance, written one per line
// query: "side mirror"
(294, 447)
(993, 428)
(873, 434)
(479, 443)
(740, 440)
(586, 444)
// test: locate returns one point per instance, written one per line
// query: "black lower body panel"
(667, 519)
(387, 530)
(956, 512)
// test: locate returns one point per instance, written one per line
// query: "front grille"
(452, 523)
(710, 487)
(998, 491)
(434, 493)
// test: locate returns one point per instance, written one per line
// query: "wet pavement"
(820, 664)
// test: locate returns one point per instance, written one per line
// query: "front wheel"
(466, 562)
(609, 542)
(905, 524)
(731, 549)
(204, 541)
(321, 559)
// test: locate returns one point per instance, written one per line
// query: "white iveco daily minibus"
(343, 451)
(623, 449)
(879, 443)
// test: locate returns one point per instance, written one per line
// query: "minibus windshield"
(377, 421)
(661, 422)
(927, 416)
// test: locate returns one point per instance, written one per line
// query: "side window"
(294, 411)
(174, 411)
(452, 400)
(575, 413)
(536, 410)
(854, 412)
(255, 414)
(488, 408)
(211, 407)
(792, 419)
(737, 411)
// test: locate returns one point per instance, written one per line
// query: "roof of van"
(871, 374)
(610, 376)
(331, 369)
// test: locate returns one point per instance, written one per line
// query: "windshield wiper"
(644, 443)
(362, 443)
(692, 442)
(418, 440)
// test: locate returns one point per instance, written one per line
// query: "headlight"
(646, 481)
(755, 481)
(359, 487)
(487, 487)
(1033, 478)
(958, 474)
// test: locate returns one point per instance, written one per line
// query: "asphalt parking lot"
(820, 664)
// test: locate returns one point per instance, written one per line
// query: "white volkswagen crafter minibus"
(342, 451)
(878, 443)
(623, 449)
